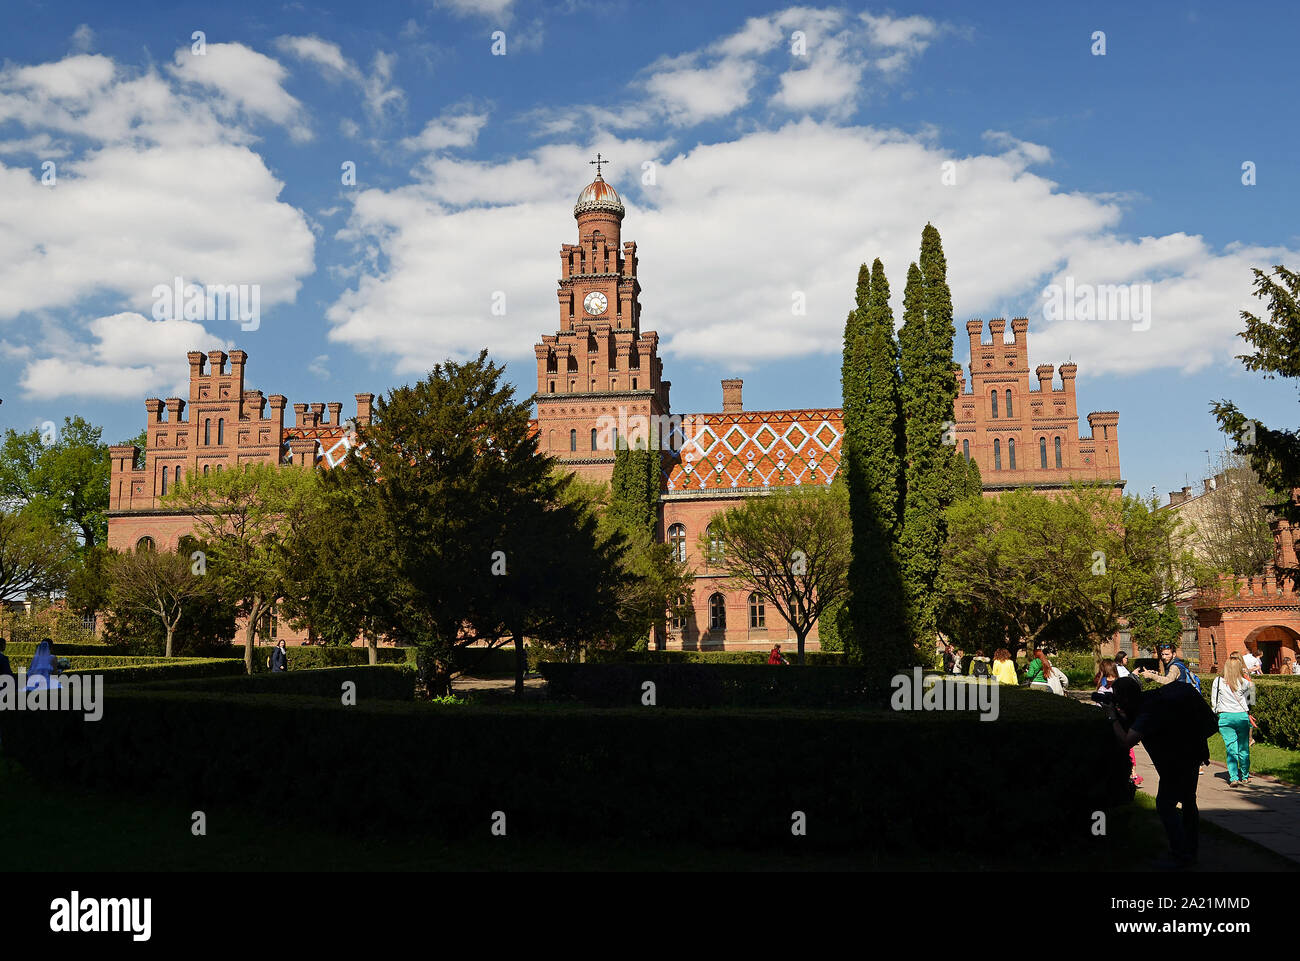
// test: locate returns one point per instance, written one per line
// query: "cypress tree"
(876, 626)
(929, 389)
(634, 487)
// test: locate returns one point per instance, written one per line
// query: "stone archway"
(1273, 643)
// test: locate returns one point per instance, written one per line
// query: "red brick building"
(599, 380)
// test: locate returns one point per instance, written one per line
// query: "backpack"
(1187, 675)
(979, 668)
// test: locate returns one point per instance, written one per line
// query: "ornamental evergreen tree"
(873, 439)
(929, 389)
(634, 487)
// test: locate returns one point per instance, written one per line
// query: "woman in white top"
(1231, 698)
(1253, 663)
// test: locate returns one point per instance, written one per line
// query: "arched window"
(994, 396)
(178, 475)
(1058, 452)
(1042, 452)
(997, 453)
(634, 383)
(207, 432)
(965, 449)
(552, 390)
(573, 440)
(613, 436)
(678, 621)
(717, 613)
(164, 481)
(593, 438)
(221, 431)
(144, 544)
(677, 538)
(715, 544)
(757, 613)
(1011, 453)
(205, 470)
(1009, 411)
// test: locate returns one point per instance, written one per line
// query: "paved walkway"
(1266, 810)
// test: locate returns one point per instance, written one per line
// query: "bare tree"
(1232, 528)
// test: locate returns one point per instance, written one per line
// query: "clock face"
(595, 302)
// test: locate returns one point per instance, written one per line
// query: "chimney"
(154, 406)
(364, 402)
(1176, 498)
(1018, 327)
(336, 413)
(197, 360)
(1044, 372)
(316, 411)
(299, 415)
(277, 402)
(1208, 488)
(731, 403)
(997, 327)
(217, 361)
(174, 407)
(237, 360)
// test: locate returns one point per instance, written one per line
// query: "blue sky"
(775, 172)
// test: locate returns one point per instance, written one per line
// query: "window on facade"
(573, 440)
(678, 620)
(613, 438)
(677, 538)
(207, 431)
(205, 469)
(634, 383)
(221, 431)
(717, 613)
(1009, 411)
(178, 476)
(715, 545)
(144, 544)
(164, 481)
(552, 390)
(757, 613)
(994, 397)
(1058, 452)
(997, 454)
(1011, 453)
(593, 438)
(965, 449)
(1042, 452)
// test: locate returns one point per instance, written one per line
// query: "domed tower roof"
(599, 195)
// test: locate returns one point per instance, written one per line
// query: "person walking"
(279, 659)
(1254, 665)
(1230, 698)
(1174, 724)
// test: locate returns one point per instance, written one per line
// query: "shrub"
(718, 777)
(382, 681)
(312, 656)
(811, 658)
(1276, 710)
(165, 669)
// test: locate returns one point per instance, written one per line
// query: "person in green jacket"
(1038, 670)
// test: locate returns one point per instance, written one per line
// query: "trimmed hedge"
(811, 658)
(474, 660)
(718, 777)
(16, 650)
(382, 681)
(170, 669)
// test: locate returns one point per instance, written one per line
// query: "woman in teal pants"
(1231, 698)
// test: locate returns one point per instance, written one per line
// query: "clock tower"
(599, 377)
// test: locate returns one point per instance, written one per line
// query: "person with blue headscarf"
(44, 669)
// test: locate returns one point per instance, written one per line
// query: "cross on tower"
(598, 161)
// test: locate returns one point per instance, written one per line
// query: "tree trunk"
(249, 633)
(171, 630)
(521, 663)
(801, 637)
(373, 645)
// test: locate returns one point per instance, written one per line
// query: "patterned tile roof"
(333, 440)
(756, 449)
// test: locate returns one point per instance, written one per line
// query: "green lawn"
(1281, 762)
(97, 831)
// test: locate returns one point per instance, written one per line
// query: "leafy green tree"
(874, 620)
(1274, 452)
(87, 589)
(635, 487)
(928, 391)
(1153, 626)
(1068, 568)
(61, 476)
(36, 557)
(246, 516)
(791, 547)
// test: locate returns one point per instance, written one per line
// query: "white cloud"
(244, 80)
(132, 357)
(491, 9)
(691, 95)
(83, 38)
(733, 230)
(318, 366)
(377, 87)
(448, 130)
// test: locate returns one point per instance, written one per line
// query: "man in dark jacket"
(6, 670)
(1174, 724)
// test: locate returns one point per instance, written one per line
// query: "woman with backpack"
(1230, 699)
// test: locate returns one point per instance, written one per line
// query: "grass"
(96, 831)
(1282, 763)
